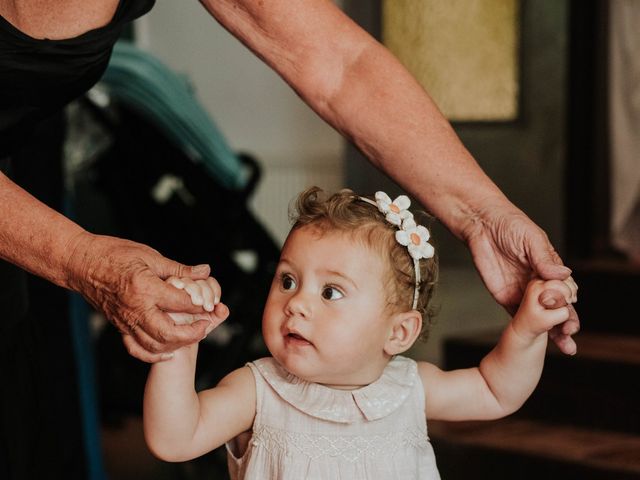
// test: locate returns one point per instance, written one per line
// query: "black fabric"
(38, 77)
(41, 431)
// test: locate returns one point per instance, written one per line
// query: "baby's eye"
(331, 293)
(287, 282)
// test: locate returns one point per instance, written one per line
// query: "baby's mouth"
(297, 338)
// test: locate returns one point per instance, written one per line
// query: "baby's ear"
(405, 329)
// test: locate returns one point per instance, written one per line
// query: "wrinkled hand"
(509, 250)
(124, 280)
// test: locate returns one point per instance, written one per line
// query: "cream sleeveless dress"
(308, 431)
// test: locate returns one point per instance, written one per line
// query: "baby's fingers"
(210, 290)
(176, 282)
(556, 316)
(194, 289)
(573, 287)
(205, 293)
(556, 293)
(190, 286)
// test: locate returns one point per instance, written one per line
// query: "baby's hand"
(533, 319)
(205, 293)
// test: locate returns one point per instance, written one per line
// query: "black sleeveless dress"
(41, 432)
(38, 77)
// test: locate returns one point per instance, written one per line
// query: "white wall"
(254, 108)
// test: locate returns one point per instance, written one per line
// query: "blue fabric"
(84, 354)
(144, 83)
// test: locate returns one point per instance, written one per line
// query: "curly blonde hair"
(346, 212)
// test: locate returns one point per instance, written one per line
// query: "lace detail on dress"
(350, 448)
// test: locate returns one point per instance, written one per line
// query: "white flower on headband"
(415, 238)
(395, 211)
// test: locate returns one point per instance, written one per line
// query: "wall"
(255, 109)
(525, 158)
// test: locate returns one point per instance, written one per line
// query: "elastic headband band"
(411, 235)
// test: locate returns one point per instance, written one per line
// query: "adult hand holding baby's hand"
(534, 317)
(562, 334)
(508, 250)
(125, 280)
(205, 293)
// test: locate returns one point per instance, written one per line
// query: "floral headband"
(411, 235)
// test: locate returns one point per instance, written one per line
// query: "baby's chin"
(304, 370)
(337, 381)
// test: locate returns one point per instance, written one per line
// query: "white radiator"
(281, 184)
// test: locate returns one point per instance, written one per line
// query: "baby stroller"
(168, 179)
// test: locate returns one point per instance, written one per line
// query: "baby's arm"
(180, 424)
(508, 375)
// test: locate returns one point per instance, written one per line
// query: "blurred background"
(545, 94)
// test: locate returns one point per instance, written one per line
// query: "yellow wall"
(464, 52)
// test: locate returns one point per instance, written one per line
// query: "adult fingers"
(545, 260)
(572, 325)
(158, 333)
(221, 312)
(561, 334)
(164, 268)
(137, 351)
(565, 343)
(182, 318)
(142, 346)
(213, 319)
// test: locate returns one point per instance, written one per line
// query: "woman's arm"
(180, 424)
(362, 90)
(35, 237)
(118, 277)
(507, 376)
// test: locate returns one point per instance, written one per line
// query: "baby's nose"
(299, 305)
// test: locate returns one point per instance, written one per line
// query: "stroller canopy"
(142, 82)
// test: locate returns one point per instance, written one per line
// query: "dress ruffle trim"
(375, 401)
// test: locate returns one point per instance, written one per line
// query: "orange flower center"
(394, 208)
(415, 238)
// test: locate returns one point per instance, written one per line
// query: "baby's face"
(325, 319)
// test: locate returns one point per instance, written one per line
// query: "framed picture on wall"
(465, 53)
